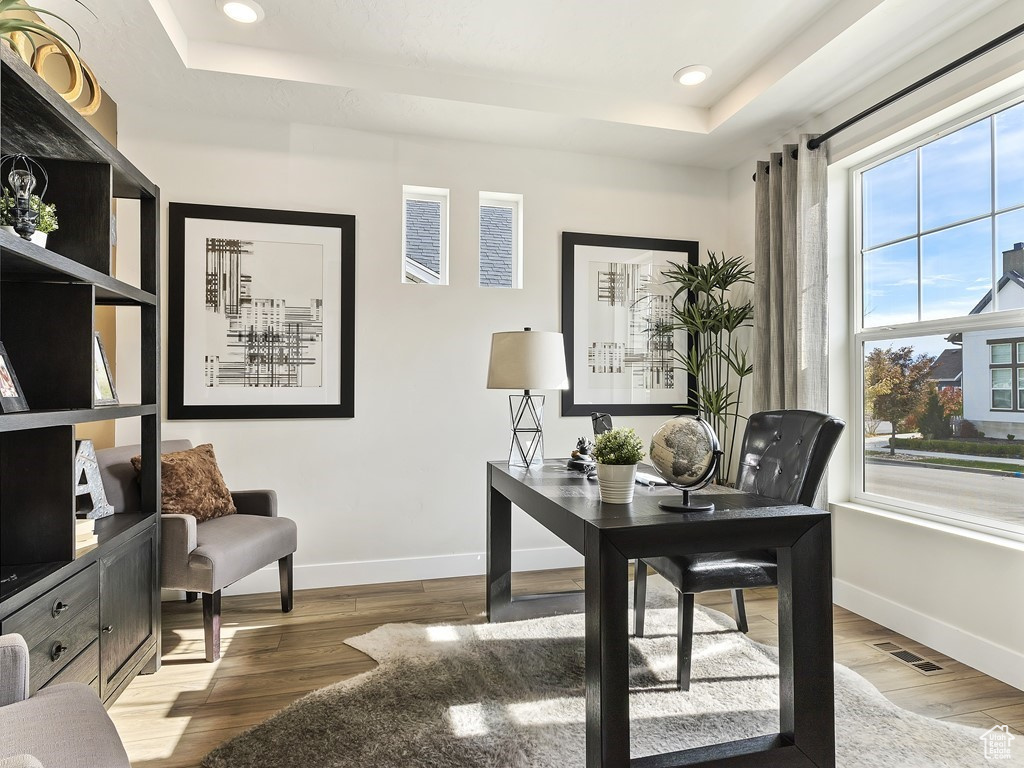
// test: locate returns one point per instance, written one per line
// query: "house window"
(501, 228)
(1007, 362)
(425, 235)
(939, 325)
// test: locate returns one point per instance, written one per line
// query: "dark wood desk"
(608, 536)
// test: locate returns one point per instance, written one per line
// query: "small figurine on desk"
(581, 460)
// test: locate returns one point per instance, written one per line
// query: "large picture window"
(939, 325)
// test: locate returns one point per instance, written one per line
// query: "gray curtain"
(791, 280)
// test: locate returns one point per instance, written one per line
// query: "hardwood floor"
(173, 718)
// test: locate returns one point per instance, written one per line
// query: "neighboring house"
(948, 371)
(993, 361)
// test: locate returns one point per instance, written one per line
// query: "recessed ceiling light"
(243, 11)
(695, 74)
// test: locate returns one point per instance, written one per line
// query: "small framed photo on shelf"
(12, 399)
(103, 392)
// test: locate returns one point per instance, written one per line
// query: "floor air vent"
(921, 664)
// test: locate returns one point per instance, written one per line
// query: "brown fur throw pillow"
(191, 484)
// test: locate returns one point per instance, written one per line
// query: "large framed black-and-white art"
(613, 300)
(261, 318)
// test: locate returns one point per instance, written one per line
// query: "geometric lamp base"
(527, 412)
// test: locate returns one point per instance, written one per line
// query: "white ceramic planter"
(617, 482)
(39, 238)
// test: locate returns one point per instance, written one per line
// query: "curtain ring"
(95, 91)
(74, 67)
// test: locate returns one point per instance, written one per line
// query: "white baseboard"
(315, 576)
(994, 660)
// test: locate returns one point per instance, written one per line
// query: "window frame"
(430, 195)
(859, 335)
(514, 201)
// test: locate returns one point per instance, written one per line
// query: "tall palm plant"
(710, 307)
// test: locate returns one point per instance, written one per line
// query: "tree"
(933, 422)
(952, 399)
(895, 385)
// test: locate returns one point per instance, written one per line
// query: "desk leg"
(607, 647)
(499, 553)
(806, 675)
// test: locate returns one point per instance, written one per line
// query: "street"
(1000, 498)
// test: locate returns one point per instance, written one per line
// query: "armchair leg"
(284, 567)
(684, 647)
(211, 624)
(639, 597)
(191, 597)
(739, 610)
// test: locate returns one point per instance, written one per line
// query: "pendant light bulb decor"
(22, 178)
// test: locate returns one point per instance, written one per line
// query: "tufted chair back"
(785, 454)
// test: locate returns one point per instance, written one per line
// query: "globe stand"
(684, 505)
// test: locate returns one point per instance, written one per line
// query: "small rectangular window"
(425, 235)
(501, 230)
(1002, 394)
(1020, 388)
(1001, 354)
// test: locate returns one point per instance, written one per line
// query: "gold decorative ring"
(74, 67)
(96, 93)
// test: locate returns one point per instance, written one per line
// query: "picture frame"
(103, 390)
(261, 313)
(12, 398)
(611, 299)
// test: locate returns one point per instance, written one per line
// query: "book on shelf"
(85, 536)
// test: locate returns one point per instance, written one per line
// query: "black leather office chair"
(784, 457)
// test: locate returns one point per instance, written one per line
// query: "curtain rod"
(1006, 37)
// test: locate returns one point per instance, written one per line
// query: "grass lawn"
(942, 461)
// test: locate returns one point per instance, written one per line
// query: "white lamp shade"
(527, 360)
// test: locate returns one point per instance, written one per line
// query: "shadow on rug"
(511, 695)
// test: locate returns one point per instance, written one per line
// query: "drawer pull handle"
(108, 629)
(57, 651)
(59, 607)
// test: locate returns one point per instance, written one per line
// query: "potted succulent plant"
(45, 223)
(617, 452)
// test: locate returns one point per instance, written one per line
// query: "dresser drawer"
(53, 653)
(48, 613)
(85, 668)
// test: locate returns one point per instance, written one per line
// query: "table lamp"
(527, 360)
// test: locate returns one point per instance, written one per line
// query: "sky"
(951, 268)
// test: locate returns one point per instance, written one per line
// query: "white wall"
(933, 582)
(398, 491)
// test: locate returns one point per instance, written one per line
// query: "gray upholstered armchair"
(62, 726)
(206, 557)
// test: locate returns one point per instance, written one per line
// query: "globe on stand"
(685, 451)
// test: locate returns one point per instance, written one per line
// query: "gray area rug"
(510, 695)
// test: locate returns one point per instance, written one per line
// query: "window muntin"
(501, 228)
(425, 235)
(936, 222)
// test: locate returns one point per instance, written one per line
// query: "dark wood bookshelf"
(21, 260)
(48, 298)
(12, 422)
(51, 128)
